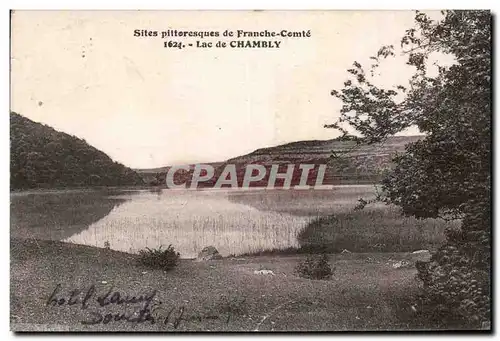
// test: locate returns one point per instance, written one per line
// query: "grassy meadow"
(336, 225)
(365, 292)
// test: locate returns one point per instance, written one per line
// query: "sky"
(84, 73)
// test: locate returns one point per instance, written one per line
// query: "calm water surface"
(189, 220)
(233, 222)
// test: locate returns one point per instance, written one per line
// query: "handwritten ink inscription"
(115, 306)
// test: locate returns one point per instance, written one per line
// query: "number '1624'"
(173, 44)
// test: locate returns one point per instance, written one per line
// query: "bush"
(456, 291)
(315, 267)
(457, 279)
(159, 259)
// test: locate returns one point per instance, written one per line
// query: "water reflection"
(190, 220)
(58, 215)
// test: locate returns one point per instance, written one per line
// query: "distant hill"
(166, 168)
(157, 176)
(347, 162)
(42, 157)
(364, 158)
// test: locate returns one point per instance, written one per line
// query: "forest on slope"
(42, 157)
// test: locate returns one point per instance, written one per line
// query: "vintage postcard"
(252, 171)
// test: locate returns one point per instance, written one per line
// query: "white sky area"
(84, 73)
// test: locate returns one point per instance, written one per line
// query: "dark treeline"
(42, 157)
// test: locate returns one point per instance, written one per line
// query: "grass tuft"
(159, 259)
(315, 267)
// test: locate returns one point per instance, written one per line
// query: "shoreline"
(153, 188)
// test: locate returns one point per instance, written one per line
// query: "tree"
(446, 174)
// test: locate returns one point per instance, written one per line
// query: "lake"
(234, 221)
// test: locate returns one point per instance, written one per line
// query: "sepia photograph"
(250, 171)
